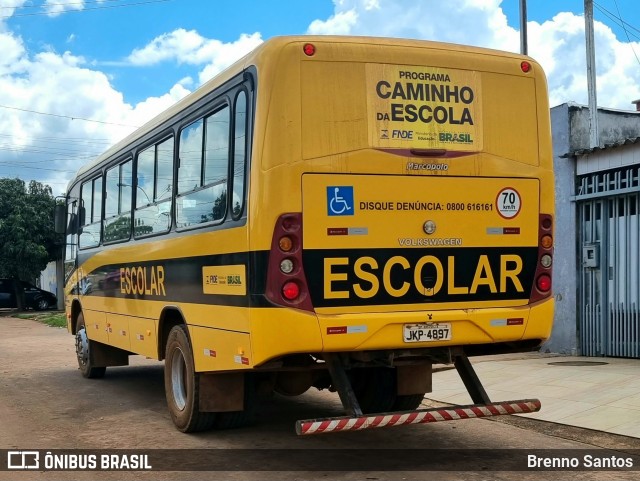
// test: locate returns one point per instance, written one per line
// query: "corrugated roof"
(612, 145)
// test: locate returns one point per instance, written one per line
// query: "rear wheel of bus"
(83, 352)
(182, 384)
(376, 391)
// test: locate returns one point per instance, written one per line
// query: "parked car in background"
(34, 297)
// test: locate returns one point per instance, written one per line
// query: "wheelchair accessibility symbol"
(340, 200)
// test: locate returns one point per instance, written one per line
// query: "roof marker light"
(309, 49)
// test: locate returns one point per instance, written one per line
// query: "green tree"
(27, 237)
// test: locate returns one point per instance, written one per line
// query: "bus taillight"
(286, 282)
(290, 291)
(542, 285)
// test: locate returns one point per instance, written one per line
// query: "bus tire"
(246, 417)
(182, 384)
(83, 352)
(375, 389)
(408, 402)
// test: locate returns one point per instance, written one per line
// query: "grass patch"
(53, 319)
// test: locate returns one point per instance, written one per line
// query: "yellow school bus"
(329, 212)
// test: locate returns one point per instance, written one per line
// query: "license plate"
(427, 332)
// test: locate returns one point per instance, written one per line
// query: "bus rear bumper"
(378, 331)
(420, 416)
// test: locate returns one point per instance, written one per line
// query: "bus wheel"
(182, 384)
(83, 351)
(408, 402)
(375, 388)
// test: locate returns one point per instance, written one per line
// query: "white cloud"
(558, 44)
(53, 8)
(189, 47)
(57, 7)
(52, 147)
(69, 88)
(13, 53)
(466, 21)
(8, 8)
(220, 56)
(339, 24)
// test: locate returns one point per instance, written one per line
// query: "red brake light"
(290, 291)
(544, 283)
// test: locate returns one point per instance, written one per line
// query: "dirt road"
(46, 404)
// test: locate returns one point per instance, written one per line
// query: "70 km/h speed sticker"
(508, 203)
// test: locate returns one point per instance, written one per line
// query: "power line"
(626, 32)
(67, 117)
(46, 143)
(45, 168)
(71, 140)
(69, 154)
(617, 19)
(42, 5)
(37, 14)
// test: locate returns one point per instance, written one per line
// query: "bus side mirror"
(60, 218)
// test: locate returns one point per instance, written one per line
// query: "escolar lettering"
(371, 277)
(147, 280)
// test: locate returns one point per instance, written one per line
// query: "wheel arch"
(169, 317)
(76, 309)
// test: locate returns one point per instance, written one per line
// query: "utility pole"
(591, 74)
(523, 27)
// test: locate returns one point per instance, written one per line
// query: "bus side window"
(90, 213)
(117, 210)
(202, 176)
(154, 191)
(239, 154)
(71, 252)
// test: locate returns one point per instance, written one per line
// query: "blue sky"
(116, 63)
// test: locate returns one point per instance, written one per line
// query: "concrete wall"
(563, 337)
(613, 126)
(49, 278)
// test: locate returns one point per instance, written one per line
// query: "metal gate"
(609, 283)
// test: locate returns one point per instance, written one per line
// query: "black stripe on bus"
(179, 280)
(345, 277)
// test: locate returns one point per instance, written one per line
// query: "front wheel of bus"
(182, 384)
(83, 352)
